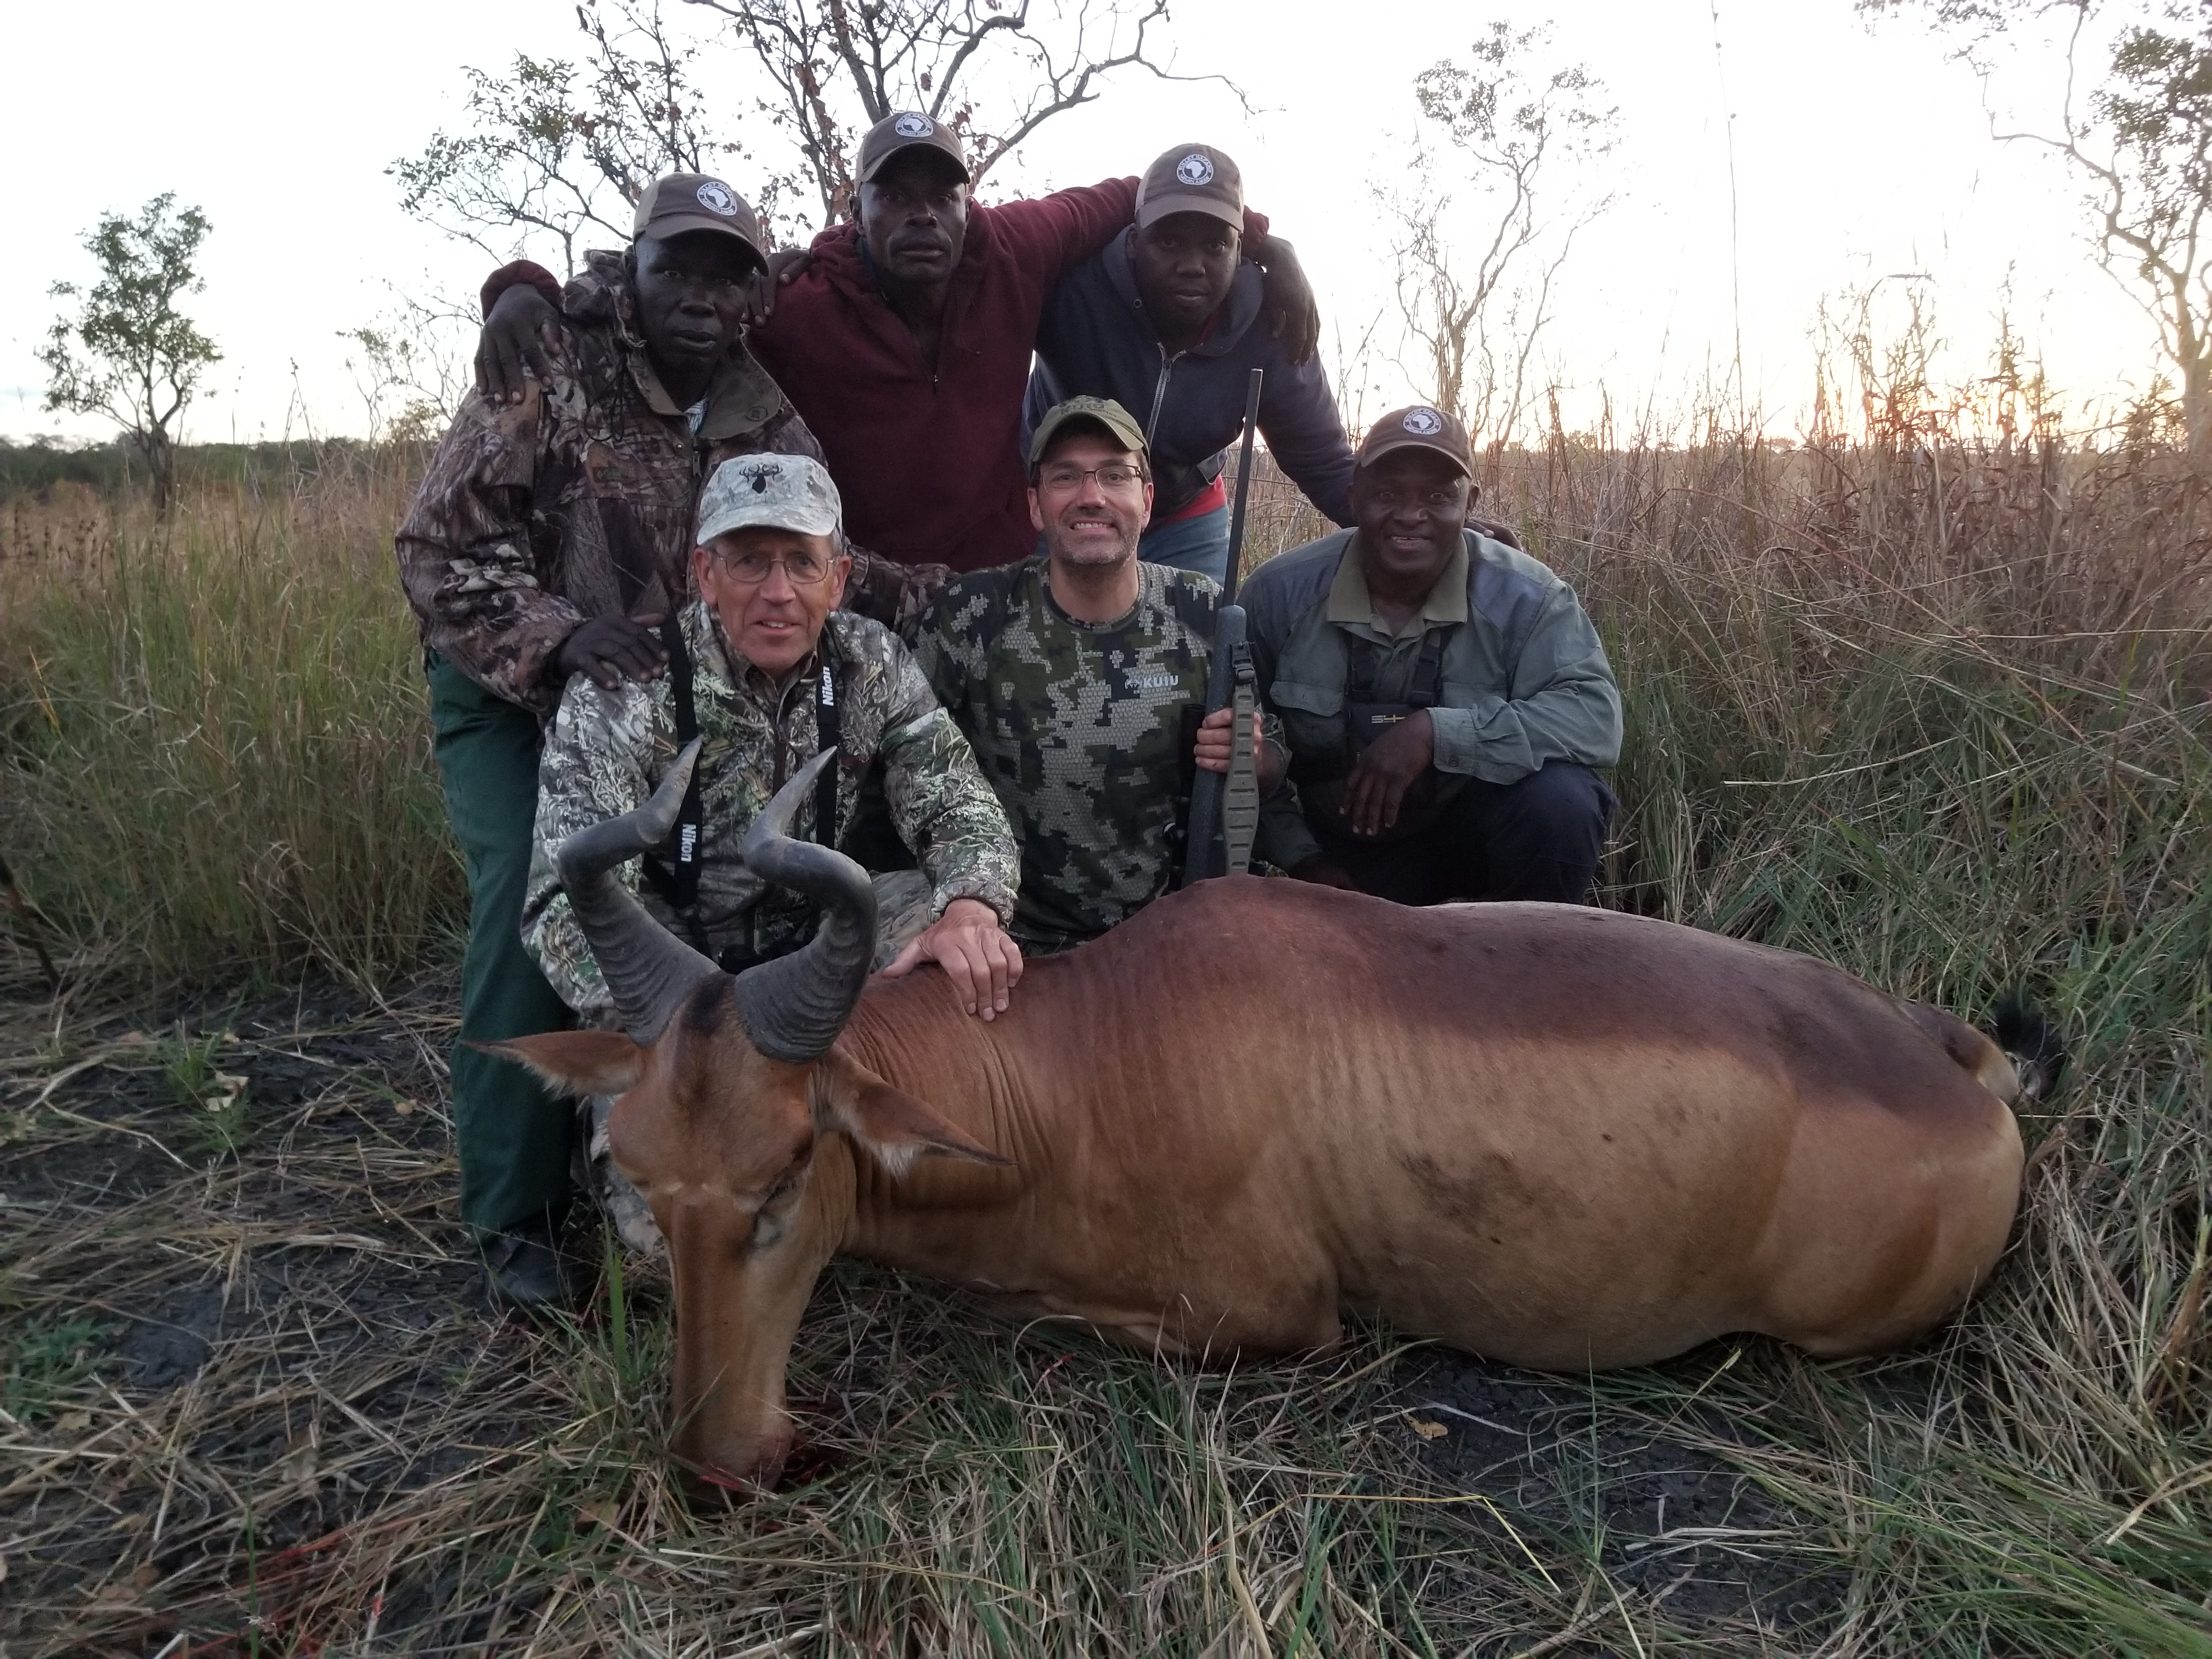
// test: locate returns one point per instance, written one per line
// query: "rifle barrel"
(1243, 487)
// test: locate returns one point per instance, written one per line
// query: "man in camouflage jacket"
(1080, 678)
(551, 535)
(758, 641)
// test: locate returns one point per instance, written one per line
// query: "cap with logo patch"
(1097, 411)
(777, 492)
(1191, 178)
(685, 202)
(1418, 428)
(902, 131)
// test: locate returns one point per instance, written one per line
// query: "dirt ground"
(247, 1342)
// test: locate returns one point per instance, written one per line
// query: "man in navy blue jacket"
(1165, 320)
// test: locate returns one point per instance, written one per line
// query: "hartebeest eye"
(773, 1219)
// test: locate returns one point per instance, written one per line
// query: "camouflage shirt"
(579, 501)
(1084, 728)
(606, 752)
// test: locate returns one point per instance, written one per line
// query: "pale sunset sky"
(1857, 154)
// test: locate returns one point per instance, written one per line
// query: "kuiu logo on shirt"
(1150, 681)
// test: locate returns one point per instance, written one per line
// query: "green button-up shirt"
(1524, 675)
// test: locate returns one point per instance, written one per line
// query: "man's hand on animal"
(1215, 746)
(1392, 764)
(978, 956)
(1293, 313)
(518, 343)
(609, 648)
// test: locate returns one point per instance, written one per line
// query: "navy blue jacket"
(1096, 341)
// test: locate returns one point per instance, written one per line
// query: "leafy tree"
(1490, 222)
(565, 149)
(2139, 138)
(129, 355)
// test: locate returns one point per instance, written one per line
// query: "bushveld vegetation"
(1930, 707)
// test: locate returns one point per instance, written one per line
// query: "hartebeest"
(1559, 1137)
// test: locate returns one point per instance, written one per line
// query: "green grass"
(213, 745)
(1941, 720)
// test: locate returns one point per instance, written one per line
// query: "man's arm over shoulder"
(1305, 432)
(598, 762)
(941, 805)
(1562, 703)
(466, 559)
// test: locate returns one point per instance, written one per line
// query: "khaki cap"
(692, 200)
(781, 492)
(901, 130)
(1098, 411)
(1191, 178)
(1418, 428)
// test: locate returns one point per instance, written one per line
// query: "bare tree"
(410, 367)
(1489, 223)
(129, 354)
(562, 150)
(994, 73)
(557, 149)
(2141, 140)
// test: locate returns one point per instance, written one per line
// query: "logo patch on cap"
(1194, 169)
(716, 197)
(1422, 423)
(914, 126)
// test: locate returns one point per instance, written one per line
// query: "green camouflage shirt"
(1081, 727)
(606, 750)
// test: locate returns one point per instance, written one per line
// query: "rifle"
(1224, 809)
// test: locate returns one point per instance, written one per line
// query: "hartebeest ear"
(578, 1062)
(895, 1127)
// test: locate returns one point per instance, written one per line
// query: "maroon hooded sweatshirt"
(929, 464)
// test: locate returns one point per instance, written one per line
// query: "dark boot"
(525, 1267)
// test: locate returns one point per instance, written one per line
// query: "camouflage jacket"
(579, 501)
(1085, 731)
(606, 752)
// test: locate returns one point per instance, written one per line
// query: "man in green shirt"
(1078, 678)
(1444, 696)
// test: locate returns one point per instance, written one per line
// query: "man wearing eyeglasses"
(1444, 696)
(1079, 676)
(771, 672)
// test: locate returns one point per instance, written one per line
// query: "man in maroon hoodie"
(904, 339)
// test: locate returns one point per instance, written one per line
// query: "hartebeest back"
(1560, 1137)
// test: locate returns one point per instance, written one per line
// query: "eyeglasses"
(1112, 476)
(752, 569)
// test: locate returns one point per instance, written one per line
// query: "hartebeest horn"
(794, 1006)
(649, 970)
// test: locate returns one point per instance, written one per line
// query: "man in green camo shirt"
(1078, 678)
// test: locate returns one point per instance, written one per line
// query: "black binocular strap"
(677, 880)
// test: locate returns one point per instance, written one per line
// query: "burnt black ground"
(328, 1275)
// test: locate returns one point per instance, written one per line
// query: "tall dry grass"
(213, 743)
(1935, 711)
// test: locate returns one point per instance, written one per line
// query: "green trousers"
(514, 1136)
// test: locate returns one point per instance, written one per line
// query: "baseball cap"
(1191, 178)
(1418, 428)
(905, 129)
(1100, 411)
(692, 200)
(781, 492)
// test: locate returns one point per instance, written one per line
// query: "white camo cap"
(782, 492)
